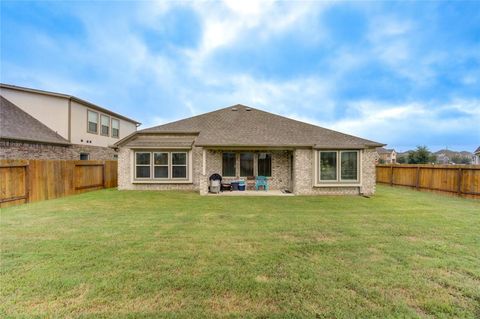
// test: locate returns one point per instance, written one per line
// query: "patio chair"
(261, 181)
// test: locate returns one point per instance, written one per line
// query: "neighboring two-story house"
(476, 156)
(387, 156)
(36, 124)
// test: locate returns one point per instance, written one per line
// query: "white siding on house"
(50, 110)
(53, 111)
(79, 127)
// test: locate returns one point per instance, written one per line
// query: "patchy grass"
(400, 254)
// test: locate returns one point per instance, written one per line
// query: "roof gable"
(240, 125)
(16, 124)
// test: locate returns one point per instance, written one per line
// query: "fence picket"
(23, 181)
(463, 181)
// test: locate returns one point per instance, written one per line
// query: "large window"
(92, 118)
(349, 166)
(161, 165)
(142, 165)
(105, 125)
(338, 166)
(229, 164)
(246, 164)
(328, 166)
(264, 164)
(179, 165)
(115, 128)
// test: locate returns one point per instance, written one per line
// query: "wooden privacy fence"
(462, 180)
(23, 181)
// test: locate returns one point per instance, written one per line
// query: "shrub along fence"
(23, 181)
(461, 180)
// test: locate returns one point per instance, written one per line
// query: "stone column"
(369, 158)
(203, 184)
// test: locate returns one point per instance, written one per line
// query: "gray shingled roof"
(381, 150)
(239, 125)
(15, 124)
(152, 140)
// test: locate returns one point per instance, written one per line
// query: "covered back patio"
(245, 166)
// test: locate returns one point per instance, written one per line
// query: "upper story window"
(115, 128)
(338, 166)
(92, 125)
(105, 125)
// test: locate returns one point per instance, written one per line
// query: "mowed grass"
(132, 254)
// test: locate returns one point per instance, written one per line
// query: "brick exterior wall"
(95, 152)
(280, 178)
(369, 160)
(26, 150)
(302, 173)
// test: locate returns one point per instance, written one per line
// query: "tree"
(401, 160)
(421, 156)
(457, 159)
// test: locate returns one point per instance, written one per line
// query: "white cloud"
(412, 124)
(189, 83)
(225, 23)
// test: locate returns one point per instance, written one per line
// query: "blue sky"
(401, 73)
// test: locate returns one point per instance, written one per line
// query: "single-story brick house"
(238, 142)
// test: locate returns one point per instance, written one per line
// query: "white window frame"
(152, 179)
(101, 124)
(183, 165)
(320, 169)
(148, 165)
(111, 127)
(338, 182)
(161, 165)
(88, 121)
(339, 164)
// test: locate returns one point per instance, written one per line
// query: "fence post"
(391, 175)
(27, 182)
(459, 179)
(104, 177)
(417, 181)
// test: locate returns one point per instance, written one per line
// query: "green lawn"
(119, 254)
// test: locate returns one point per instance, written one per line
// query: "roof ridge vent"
(248, 109)
(234, 109)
